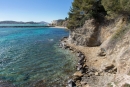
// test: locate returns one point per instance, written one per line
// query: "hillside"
(104, 40)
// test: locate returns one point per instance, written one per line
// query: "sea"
(30, 57)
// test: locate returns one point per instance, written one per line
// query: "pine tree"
(116, 7)
(82, 10)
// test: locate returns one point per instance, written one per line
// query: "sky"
(34, 10)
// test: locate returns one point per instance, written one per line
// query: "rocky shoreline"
(103, 53)
(83, 71)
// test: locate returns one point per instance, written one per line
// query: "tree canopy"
(82, 10)
(116, 7)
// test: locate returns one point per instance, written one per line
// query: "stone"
(90, 73)
(81, 59)
(70, 80)
(72, 51)
(60, 45)
(79, 67)
(75, 78)
(82, 70)
(80, 62)
(96, 73)
(86, 85)
(79, 54)
(102, 52)
(78, 73)
(83, 83)
(82, 56)
(78, 84)
(71, 83)
(66, 47)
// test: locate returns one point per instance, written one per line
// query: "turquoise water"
(28, 55)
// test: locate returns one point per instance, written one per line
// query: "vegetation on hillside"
(82, 10)
(116, 7)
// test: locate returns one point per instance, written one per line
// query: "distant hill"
(16, 22)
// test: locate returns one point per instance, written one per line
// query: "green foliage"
(109, 85)
(66, 18)
(126, 85)
(114, 7)
(82, 10)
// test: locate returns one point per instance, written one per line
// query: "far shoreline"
(59, 27)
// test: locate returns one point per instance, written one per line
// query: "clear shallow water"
(28, 55)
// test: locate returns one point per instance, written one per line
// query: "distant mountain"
(10, 22)
(16, 22)
(42, 22)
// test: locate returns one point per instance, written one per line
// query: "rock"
(39, 83)
(81, 61)
(96, 73)
(72, 51)
(66, 47)
(60, 45)
(79, 54)
(90, 73)
(101, 73)
(78, 73)
(82, 70)
(111, 69)
(92, 70)
(26, 77)
(71, 83)
(6, 84)
(63, 44)
(86, 85)
(103, 52)
(82, 56)
(79, 67)
(83, 83)
(70, 80)
(63, 38)
(78, 84)
(75, 78)
(70, 48)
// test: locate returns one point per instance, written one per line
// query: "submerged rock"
(6, 84)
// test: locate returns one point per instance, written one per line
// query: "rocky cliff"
(106, 46)
(87, 35)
